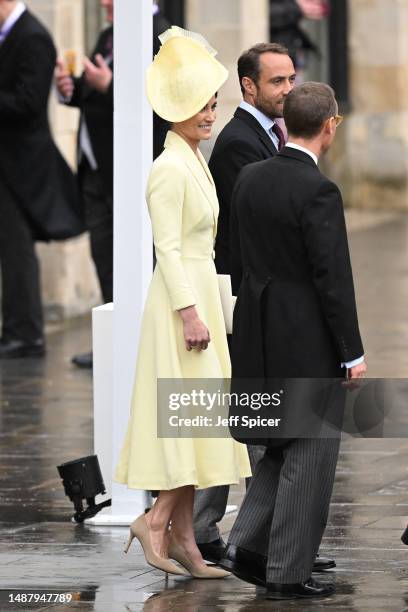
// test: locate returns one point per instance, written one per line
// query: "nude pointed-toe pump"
(177, 553)
(140, 530)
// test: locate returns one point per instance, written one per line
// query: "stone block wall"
(370, 156)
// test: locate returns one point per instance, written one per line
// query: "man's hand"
(99, 77)
(313, 9)
(357, 371)
(353, 376)
(63, 80)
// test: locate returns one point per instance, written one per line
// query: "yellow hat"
(184, 75)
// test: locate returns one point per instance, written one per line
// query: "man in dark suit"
(266, 75)
(37, 188)
(295, 318)
(92, 93)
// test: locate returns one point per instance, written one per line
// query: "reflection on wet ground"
(46, 418)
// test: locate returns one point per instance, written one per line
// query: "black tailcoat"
(30, 164)
(295, 314)
(242, 141)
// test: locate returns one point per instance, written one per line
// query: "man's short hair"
(249, 61)
(307, 107)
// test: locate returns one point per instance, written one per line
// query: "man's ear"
(249, 86)
(329, 126)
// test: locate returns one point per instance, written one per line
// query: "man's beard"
(268, 108)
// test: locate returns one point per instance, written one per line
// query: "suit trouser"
(22, 315)
(285, 510)
(99, 220)
(210, 504)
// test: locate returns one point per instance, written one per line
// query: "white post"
(133, 250)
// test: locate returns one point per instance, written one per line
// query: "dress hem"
(182, 483)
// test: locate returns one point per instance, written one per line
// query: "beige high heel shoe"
(177, 553)
(140, 530)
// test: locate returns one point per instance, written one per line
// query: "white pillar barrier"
(117, 329)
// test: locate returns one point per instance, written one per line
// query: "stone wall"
(370, 156)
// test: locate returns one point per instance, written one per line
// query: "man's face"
(108, 6)
(276, 79)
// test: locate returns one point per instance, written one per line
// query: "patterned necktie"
(279, 134)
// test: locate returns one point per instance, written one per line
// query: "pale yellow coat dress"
(183, 207)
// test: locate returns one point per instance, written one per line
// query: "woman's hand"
(196, 334)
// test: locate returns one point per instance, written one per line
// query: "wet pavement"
(46, 418)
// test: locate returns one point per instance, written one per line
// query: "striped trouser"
(284, 513)
(210, 504)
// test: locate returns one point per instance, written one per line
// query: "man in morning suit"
(92, 93)
(37, 188)
(266, 75)
(295, 317)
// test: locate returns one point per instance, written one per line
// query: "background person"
(38, 197)
(285, 17)
(92, 93)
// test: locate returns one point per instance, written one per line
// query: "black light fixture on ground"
(82, 479)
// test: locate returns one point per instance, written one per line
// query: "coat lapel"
(13, 35)
(198, 168)
(247, 118)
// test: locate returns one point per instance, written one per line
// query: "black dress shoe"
(84, 361)
(251, 567)
(212, 551)
(323, 563)
(244, 564)
(310, 588)
(14, 349)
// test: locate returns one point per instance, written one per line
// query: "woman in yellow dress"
(183, 330)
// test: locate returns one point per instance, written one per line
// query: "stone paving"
(46, 418)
